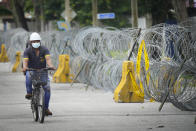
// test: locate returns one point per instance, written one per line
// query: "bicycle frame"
(39, 80)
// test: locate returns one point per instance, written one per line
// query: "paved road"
(75, 109)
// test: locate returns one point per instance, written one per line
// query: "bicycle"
(39, 80)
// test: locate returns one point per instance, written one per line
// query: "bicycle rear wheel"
(41, 105)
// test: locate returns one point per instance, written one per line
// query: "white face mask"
(36, 45)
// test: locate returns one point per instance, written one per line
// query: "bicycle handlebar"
(42, 69)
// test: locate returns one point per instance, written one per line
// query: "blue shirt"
(36, 62)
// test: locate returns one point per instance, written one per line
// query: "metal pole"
(42, 16)
(94, 12)
(134, 13)
(67, 11)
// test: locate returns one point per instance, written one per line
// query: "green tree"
(52, 9)
(180, 8)
(83, 8)
(121, 9)
(4, 11)
(44, 11)
(158, 9)
(16, 7)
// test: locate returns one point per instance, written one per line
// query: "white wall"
(142, 22)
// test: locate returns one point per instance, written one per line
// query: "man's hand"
(24, 69)
(52, 67)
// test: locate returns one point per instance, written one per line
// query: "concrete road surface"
(75, 109)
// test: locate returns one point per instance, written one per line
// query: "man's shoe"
(48, 112)
(28, 96)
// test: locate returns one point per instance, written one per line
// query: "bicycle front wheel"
(41, 105)
(34, 107)
(35, 112)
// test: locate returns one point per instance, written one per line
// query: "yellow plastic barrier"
(17, 64)
(62, 75)
(3, 55)
(128, 90)
(146, 60)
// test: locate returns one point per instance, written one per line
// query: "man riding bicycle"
(37, 56)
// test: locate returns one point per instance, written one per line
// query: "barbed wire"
(98, 54)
